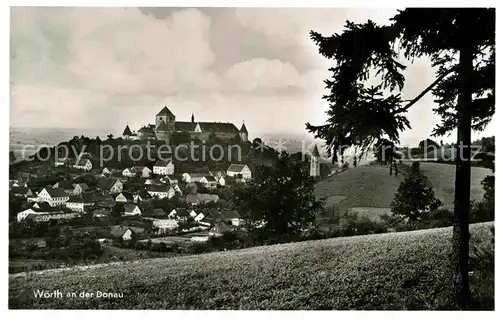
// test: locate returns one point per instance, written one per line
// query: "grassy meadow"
(387, 271)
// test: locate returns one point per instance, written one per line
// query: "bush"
(441, 218)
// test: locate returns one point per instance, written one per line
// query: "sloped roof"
(143, 194)
(147, 130)
(129, 208)
(210, 178)
(216, 171)
(162, 163)
(65, 184)
(82, 185)
(236, 167)
(229, 214)
(198, 175)
(83, 198)
(127, 131)
(159, 212)
(118, 231)
(106, 183)
(44, 207)
(82, 161)
(20, 190)
(315, 151)
(184, 126)
(217, 127)
(56, 193)
(158, 188)
(243, 129)
(201, 198)
(165, 223)
(165, 111)
(127, 195)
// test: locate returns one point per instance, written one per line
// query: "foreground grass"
(389, 271)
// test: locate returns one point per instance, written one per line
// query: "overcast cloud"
(106, 67)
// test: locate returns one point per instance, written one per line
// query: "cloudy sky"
(106, 67)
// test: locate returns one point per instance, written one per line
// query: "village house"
(105, 171)
(218, 173)
(132, 210)
(195, 177)
(142, 196)
(232, 217)
(128, 172)
(219, 229)
(79, 188)
(124, 197)
(162, 167)
(201, 198)
(55, 197)
(83, 164)
(126, 233)
(148, 182)
(53, 215)
(211, 182)
(105, 202)
(164, 226)
(145, 172)
(170, 180)
(17, 183)
(236, 170)
(67, 185)
(111, 185)
(161, 192)
(24, 192)
(80, 203)
(36, 208)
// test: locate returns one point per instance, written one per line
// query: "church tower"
(314, 170)
(244, 133)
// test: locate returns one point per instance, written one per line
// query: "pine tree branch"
(425, 91)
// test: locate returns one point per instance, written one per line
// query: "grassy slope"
(365, 186)
(371, 186)
(388, 271)
(442, 178)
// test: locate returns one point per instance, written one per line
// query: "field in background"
(388, 271)
(442, 178)
(369, 190)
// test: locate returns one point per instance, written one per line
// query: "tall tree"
(281, 196)
(460, 42)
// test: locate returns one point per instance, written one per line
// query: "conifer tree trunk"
(463, 181)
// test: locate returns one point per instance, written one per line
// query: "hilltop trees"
(281, 198)
(414, 199)
(461, 44)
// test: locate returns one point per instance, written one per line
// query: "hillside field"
(369, 190)
(388, 271)
(442, 179)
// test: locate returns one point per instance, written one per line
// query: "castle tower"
(127, 133)
(167, 117)
(164, 124)
(314, 170)
(244, 133)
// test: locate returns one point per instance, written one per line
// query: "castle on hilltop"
(166, 125)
